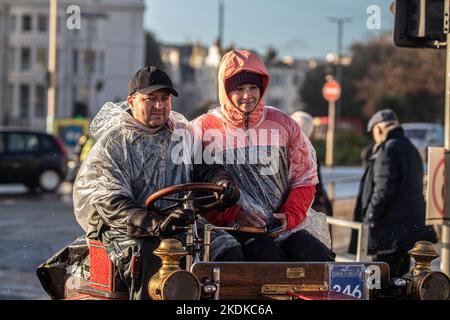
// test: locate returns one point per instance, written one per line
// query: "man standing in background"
(390, 197)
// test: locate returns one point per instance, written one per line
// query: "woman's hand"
(249, 219)
(281, 217)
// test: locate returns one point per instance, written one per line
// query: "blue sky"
(298, 28)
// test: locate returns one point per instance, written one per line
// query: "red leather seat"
(101, 268)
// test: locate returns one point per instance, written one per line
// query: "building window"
(58, 25)
(41, 58)
(89, 61)
(27, 23)
(92, 29)
(25, 59)
(278, 80)
(275, 102)
(75, 61)
(59, 63)
(42, 23)
(12, 23)
(10, 96)
(102, 63)
(40, 101)
(24, 101)
(11, 59)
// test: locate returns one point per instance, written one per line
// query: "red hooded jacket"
(271, 158)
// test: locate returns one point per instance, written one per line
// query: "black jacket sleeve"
(386, 179)
(140, 222)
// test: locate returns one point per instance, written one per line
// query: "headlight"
(170, 282)
(178, 285)
(431, 286)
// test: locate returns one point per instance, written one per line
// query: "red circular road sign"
(331, 91)
(437, 188)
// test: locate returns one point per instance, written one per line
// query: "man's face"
(245, 97)
(151, 110)
(377, 133)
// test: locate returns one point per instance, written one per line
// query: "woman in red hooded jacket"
(271, 159)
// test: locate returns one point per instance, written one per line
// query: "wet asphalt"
(32, 228)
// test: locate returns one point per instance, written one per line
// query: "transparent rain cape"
(129, 160)
(268, 161)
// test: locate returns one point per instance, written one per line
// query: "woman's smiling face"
(245, 97)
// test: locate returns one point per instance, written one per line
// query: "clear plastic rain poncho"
(265, 149)
(131, 161)
(265, 164)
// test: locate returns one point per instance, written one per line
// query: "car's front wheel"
(49, 180)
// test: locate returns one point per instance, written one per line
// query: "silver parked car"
(424, 135)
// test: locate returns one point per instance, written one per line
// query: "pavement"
(32, 228)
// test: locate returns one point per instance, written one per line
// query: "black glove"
(144, 223)
(231, 194)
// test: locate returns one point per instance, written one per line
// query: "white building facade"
(95, 61)
(194, 69)
(286, 79)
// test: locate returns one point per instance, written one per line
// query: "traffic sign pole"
(445, 235)
(329, 158)
(331, 92)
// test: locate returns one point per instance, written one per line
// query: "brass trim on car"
(292, 288)
(295, 273)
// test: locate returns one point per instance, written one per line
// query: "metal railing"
(362, 228)
(331, 185)
(363, 237)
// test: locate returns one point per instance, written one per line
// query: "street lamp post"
(221, 23)
(340, 22)
(52, 56)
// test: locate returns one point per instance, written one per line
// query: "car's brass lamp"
(171, 282)
(424, 284)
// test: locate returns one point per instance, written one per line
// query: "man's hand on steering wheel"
(230, 195)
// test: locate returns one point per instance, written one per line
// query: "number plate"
(347, 279)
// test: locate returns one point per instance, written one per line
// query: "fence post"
(363, 242)
(331, 190)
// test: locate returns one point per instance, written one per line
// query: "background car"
(36, 159)
(424, 135)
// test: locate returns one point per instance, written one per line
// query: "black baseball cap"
(381, 116)
(150, 79)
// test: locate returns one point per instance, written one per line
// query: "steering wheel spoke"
(205, 198)
(169, 209)
(202, 202)
(170, 199)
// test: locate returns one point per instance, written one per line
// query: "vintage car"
(204, 279)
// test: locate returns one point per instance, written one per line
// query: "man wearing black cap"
(132, 159)
(390, 196)
(149, 97)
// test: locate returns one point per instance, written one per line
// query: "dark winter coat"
(391, 198)
(321, 201)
